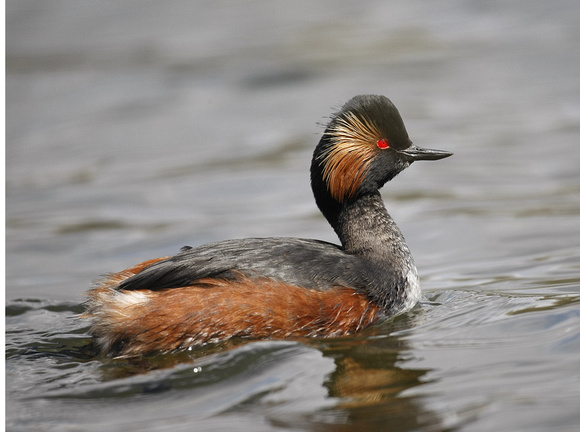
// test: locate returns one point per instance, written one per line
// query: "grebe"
(282, 287)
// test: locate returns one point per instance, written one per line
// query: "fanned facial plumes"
(353, 146)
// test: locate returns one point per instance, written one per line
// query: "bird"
(281, 287)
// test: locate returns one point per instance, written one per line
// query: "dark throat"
(367, 231)
(362, 224)
(365, 228)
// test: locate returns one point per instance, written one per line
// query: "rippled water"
(136, 128)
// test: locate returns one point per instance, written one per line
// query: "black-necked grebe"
(282, 287)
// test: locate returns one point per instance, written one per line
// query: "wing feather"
(309, 263)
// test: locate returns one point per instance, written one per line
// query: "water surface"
(133, 129)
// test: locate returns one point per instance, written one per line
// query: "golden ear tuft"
(346, 160)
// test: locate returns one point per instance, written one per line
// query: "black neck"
(364, 227)
(362, 223)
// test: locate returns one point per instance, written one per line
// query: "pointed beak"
(415, 153)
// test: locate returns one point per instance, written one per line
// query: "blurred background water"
(134, 128)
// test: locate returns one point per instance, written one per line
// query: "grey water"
(134, 128)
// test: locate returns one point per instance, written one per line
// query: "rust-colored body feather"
(134, 322)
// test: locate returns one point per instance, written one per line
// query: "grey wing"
(308, 263)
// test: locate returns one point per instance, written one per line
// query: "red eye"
(383, 143)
